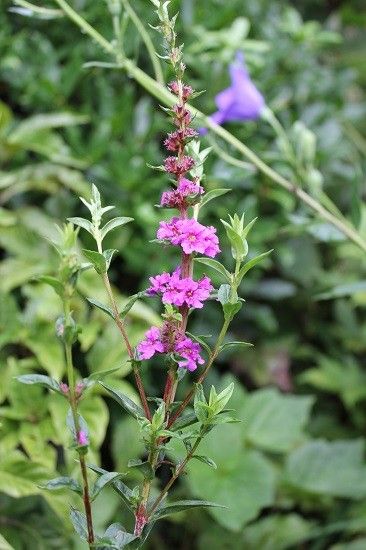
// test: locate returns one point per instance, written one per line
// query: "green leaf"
(206, 460)
(108, 255)
(142, 466)
(250, 264)
(118, 535)
(200, 341)
(54, 283)
(184, 421)
(340, 291)
(103, 481)
(274, 421)
(182, 505)
(214, 264)
(213, 194)
(79, 522)
(334, 468)
(130, 303)
(103, 307)
(231, 345)
(112, 224)
(82, 222)
(223, 294)
(125, 402)
(41, 379)
(230, 310)
(63, 483)
(4, 545)
(98, 260)
(219, 401)
(121, 488)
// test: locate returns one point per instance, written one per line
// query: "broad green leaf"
(103, 481)
(334, 468)
(79, 522)
(63, 483)
(274, 421)
(213, 194)
(125, 402)
(103, 307)
(41, 379)
(250, 264)
(112, 224)
(82, 222)
(182, 505)
(214, 264)
(98, 260)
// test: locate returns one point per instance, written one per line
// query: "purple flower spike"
(241, 100)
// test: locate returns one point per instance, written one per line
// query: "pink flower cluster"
(184, 347)
(181, 292)
(179, 198)
(191, 235)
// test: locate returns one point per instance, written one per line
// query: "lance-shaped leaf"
(142, 466)
(118, 536)
(182, 505)
(124, 401)
(98, 260)
(57, 286)
(82, 222)
(40, 379)
(214, 264)
(121, 488)
(112, 224)
(206, 460)
(249, 265)
(103, 307)
(79, 522)
(213, 194)
(63, 483)
(98, 376)
(235, 345)
(103, 481)
(130, 303)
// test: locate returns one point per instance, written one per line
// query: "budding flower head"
(64, 388)
(82, 438)
(79, 388)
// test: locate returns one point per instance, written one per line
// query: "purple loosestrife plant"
(178, 351)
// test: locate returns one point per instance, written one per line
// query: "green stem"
(175, 476)
(203, 374)
(159, 76)
(160, 92)
(74, 411)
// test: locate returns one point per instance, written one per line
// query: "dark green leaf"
(230, 310)
(125, 402)
(142, 466)
(121, 488)
(182, 505)
(98, 260)
(103, 481)
(101, 306)
(63, 483)
(206, 460)
(119, 536)
(130, 303)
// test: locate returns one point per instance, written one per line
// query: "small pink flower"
(178, 198)
(182, 116)
(180, 292)
(177, 139)
(190, 235)
(151, 344)
(190, 352)
(82, 438)
(187, 90)
(79, 388)
(64, 388)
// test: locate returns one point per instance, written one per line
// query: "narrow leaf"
(63, 483)
(213, 194)
(41, 379)
(231, 345)
(142, 466)
(103, 481)
(254, 261)
(182, 505)
(112, 224)
(206, 460)
(121, 488)
(101, 306)
(214, 264)
(119, 536)
(82, 222)
(53, 282)
(133, 299)
(125, 402)
(79, 522)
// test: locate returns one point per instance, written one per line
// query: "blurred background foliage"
(293, 473)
